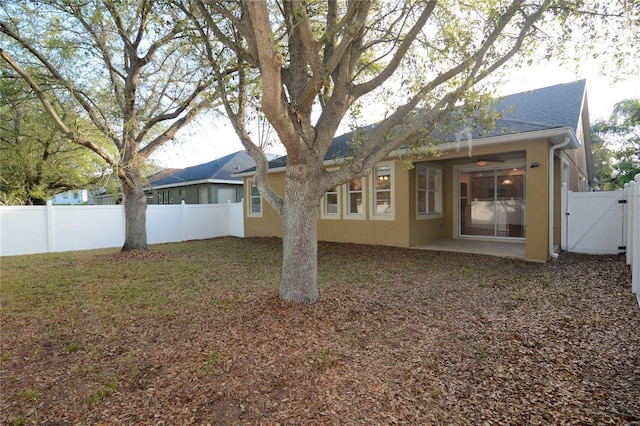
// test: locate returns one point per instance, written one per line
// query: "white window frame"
(324, 214)
(250, 197)
(425, 168)
(373, 211)
(347, 200)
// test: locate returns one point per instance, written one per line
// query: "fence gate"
(593, 222)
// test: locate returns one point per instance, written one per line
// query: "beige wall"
(537, 246)
(578, 158)
(370, 230)
(424, 230)
(269, 224)
(407, 231)
(360, 231)
(577, 175)
(537, 198)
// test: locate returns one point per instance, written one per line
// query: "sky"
(214, 138)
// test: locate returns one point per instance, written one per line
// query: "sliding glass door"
(492, 202)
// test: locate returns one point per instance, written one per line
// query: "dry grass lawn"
(194, 333)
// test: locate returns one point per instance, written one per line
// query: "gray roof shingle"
(217, 170)
(547, 108)
(541, 109)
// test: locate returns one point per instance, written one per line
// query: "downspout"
(552, 151)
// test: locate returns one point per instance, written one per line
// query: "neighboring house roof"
(541, 110)
(162, 174)
(216, 171)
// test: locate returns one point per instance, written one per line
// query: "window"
(226, 195)
(354, 199)
(164, 197)
(255, 201)
(382, 207)
(492, 202)
(203, 195)
(429, 191)
(330, 205)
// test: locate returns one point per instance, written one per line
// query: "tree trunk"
(300, 239)
(135, 216)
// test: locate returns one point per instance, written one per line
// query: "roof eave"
(253, 172)
(555, 136)
(194, 182)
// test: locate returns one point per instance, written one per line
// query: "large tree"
(602, 161)
(128, 67)
(620, 134)
(312, 63)
(38, 161)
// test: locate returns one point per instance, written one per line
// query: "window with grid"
(355, 200)
(330, 205)
(255, 201)
(383, 191)
(429, 188)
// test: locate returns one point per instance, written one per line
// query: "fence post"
(628, 222)
(564, 218)
(634, 240)
(228, 218)
(625, 221)
(183, 221)
(50, 228)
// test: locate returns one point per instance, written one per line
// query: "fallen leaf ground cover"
(194, 333)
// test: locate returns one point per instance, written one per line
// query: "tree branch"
(361, 89)
(238, 122)
(271, 61)
(102, 126)
(53, 114)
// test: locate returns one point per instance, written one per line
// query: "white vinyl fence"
(41, 229)
(595, 222)
(632, 218)
(605, 223)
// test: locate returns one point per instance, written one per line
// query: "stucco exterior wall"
(421, 231)
(268, 224)
(371, 229)
(406, 230)
(537, 188)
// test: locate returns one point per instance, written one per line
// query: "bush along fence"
(42, 229)
(632, 218)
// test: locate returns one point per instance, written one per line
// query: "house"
(208, 183)
(506, 194)
(111, 195)
(73, 197)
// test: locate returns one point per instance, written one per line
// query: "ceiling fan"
(483, 161)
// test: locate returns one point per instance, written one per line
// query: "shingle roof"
(547, 108)
(221, 169)
(541, 109)
(162, 174)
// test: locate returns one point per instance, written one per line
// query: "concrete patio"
(507, 249)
